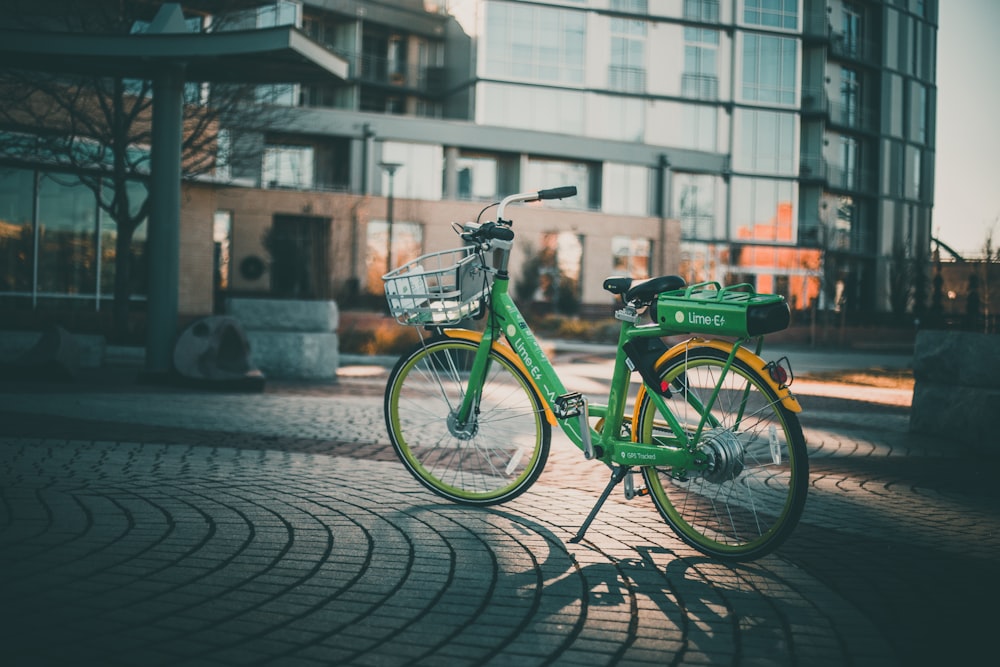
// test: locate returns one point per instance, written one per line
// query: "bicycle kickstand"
(618, 473)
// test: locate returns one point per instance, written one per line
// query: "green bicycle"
(714, 428)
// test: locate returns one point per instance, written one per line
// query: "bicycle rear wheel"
(750, 496)
(493, 458)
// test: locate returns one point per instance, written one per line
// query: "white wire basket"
(440, 288)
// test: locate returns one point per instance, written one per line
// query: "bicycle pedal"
(569, 405)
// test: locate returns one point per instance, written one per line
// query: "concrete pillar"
(163, 238)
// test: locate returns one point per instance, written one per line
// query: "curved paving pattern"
(151, 554)
(126, 550)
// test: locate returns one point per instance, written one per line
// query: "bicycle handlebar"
(558, 193)
(551, 193)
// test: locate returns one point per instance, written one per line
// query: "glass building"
(790, 143)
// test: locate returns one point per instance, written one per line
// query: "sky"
(967, 161)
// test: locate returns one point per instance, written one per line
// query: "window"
(702, 10)
(299, 246)
(477, 177)
(560, 265)
(75, 242)
(695, 203)
(543, 173)
(279, 94)
(288, 167)
(781, 14)
(767, 142)
(407, 245)
(632, 6)
(913, 177)
(844, 223)
(846, 173)
(627, 71)
(625, 189)
(700, 127)
(222, 226)
(700, 78)
(769, 64)
(542, 44)
(851, 30)
(67, 247)
(849, 97)
(17, 188)
(420, 175)
(282, 12)
(618, 117)
(763, 209)
(529, 108)
(138, 271)
(631, 256)
(919, 128)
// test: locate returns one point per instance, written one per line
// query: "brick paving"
(145, 525)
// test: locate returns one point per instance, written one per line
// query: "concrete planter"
(290, 339)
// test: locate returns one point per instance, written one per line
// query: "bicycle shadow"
(688, 603)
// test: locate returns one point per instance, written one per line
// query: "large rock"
(957, 358)
(957, 389)
(214, 352)
(53, 355)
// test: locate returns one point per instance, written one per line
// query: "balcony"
(815, 28)
(853, 48)
(373, 70)
(812, 169)
(814, 101)
(627, 79)
(817, 170)
(702, 11)
(856, 179)
(852, 116)
(700, 86)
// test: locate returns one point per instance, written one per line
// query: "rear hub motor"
(723, 454)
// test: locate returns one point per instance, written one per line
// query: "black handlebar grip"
(558, 193)
(501, 233)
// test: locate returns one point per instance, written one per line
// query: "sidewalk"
(144, 525)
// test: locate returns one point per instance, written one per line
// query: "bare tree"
(99, 127)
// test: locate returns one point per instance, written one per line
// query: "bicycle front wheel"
(751, 491)
(492, 458)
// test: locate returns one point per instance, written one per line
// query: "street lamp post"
(389, 168)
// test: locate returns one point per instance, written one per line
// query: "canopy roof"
(270, 55)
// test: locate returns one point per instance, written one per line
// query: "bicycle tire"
(494, 459)
(749, 502)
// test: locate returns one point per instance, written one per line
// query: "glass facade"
(288, 167)
(766, 142)
(56, 243)
(631, 256)
(697, 202)
(769, 69)
(627, 71)
(534, 43)
(783, 14)
(407, 245)
(762, 210)
(610, 88)
(17, 237)
(701, 67)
